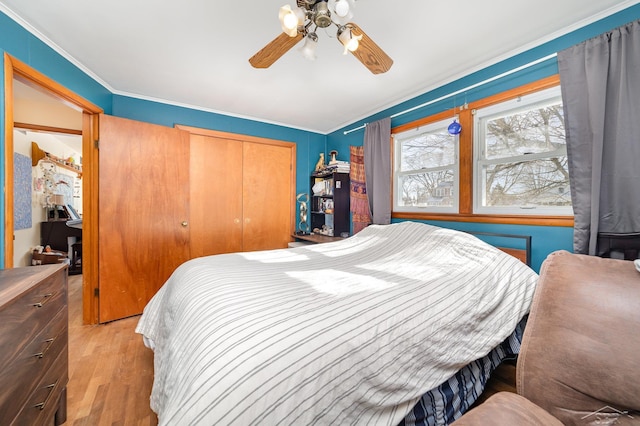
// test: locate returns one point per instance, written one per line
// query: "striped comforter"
(351, 332)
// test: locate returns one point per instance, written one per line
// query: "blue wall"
(19, 43)
(544, 239)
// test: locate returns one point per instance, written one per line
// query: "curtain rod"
(457, 92)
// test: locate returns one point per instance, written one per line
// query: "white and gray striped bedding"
(351, 332)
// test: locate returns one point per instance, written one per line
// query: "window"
(426, 169)
(508, 165)
(521, 157)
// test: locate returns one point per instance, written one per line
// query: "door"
(216, 195)
(242, 192)
(267, 207)
(143, 212)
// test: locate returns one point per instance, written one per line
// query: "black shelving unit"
(330, 205)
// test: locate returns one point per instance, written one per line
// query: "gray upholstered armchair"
(580, 357)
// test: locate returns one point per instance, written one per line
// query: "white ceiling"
(195, 53)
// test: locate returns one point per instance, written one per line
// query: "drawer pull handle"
(46, 400)
(49, 344)
(45, 299)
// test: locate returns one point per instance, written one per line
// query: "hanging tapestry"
(21, 192)
(360, 211)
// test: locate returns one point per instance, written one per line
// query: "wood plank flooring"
(111, 371)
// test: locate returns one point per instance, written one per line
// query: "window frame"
(465, 151)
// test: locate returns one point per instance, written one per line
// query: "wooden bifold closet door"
(246, 203)
(167, 195)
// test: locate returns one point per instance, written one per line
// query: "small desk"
(317, 238)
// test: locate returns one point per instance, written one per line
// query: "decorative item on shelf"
(333, 166)
(320, 164)
(303, 224)
(325, 230)
(318, 188)
(334, 157)
(327, 206)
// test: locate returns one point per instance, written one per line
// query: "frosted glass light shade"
(349, 41)
(342, 8)
(308, 49)
(341, 11)
(290, 19)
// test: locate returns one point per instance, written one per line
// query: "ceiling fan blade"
(274, 50)
(369, 53)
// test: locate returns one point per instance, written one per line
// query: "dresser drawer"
(43, 401)
(24, 317)
(20, 377)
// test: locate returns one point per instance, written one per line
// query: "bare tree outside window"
(427, 170)
(524, 160)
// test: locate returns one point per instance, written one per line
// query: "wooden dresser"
(34, 361)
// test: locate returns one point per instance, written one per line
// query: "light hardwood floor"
(110, 370)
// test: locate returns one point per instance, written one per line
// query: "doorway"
(47, 141)
(16, 70)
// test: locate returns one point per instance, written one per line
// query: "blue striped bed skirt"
(446, 403)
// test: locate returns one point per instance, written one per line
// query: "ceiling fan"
(304, 20)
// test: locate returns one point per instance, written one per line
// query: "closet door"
(268, 187)
(242, 192)
(143, 232)
(216, 195)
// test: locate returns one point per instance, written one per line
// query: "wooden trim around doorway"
(8, 162)
(16, 69)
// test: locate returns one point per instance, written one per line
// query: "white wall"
(27, 239)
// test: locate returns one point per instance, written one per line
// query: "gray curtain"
(600, 81)
(377, 169)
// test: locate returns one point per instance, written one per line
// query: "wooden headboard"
(520, 254)
(502, 240)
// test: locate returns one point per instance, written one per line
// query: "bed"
(399, 324)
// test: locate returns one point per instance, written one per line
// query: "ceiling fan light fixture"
(348, 40)
(291, 19)
(303, 20)
(321, 14)
(341, 11)
(308, 49)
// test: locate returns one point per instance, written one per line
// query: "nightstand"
(316, 238)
